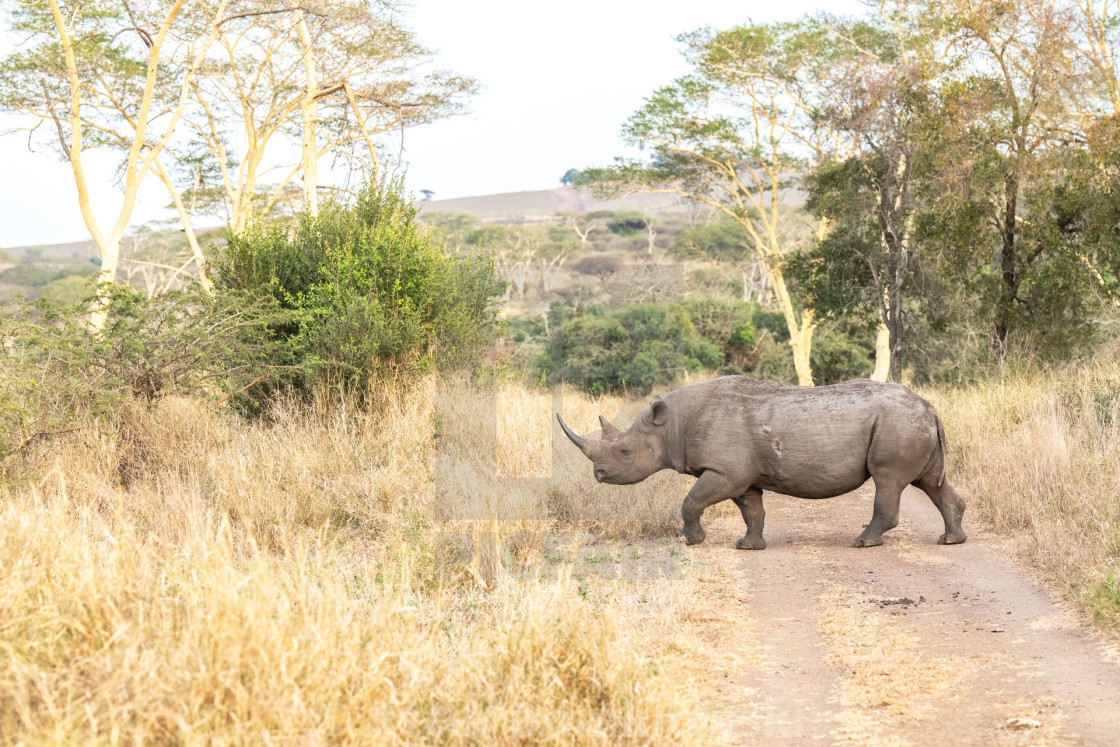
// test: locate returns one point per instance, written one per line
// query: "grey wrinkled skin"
(740, 437)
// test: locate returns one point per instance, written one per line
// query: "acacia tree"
(106, 75)
(884, 98)
(333, 74)
(1016, 93)
(735, 133)
(582, 224)
(1099, 42)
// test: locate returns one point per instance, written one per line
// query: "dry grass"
(195, 579)
(429, 570)
(1038, 458)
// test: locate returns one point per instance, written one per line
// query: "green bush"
(372, 291)
(57, 376)
(25, 275)
(728, 324)
(68, 290)
(722, 240)
(639, 345)
(840, 352)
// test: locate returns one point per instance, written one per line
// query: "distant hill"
(506, 207)
(528, 207)
(79, 250)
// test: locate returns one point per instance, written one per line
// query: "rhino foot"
(749, 543)
(952, 538)
(693, 537)
(862, 541)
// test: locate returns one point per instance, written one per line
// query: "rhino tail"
(941, 444)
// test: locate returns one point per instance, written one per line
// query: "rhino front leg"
(754, 516)
(709, 489)
(888, 493)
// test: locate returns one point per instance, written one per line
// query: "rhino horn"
(587, 446)
(608, 429)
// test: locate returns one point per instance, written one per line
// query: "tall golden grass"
(193, 578)
(395, 574)
(1037, 457)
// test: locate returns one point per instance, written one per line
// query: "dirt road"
(908, 643)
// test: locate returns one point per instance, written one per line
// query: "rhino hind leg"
(888, 493)
(754, 516)
(949, 504)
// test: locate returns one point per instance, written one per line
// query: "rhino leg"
(951, 507)
(754, 516)
(888, 493)
(709, 489)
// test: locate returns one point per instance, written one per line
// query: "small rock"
(1023, 722)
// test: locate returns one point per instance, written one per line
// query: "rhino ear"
(659, 411)
(608, 429)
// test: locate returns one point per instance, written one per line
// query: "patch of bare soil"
(910, 643)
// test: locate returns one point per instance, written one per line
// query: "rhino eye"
(624, 452)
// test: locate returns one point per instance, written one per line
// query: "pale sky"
(558, 80)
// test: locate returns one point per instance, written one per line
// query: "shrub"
(723, 240)
(372, 291)
(728, 324)
(25, 275)
(631, 348)
(70, 289)
(601, 266)
(58, 376)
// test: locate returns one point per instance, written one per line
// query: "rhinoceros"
(740, 436)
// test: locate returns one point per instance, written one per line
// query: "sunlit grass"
(1038, 458)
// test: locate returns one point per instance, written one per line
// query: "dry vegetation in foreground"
(427, 570)
(1038, 458)
(193, 578)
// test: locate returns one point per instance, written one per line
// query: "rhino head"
(629, 456)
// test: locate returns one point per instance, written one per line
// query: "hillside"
(518, 207)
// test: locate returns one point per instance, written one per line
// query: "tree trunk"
(110, 258)
(896, 346)
(309, 111)
(802, 343)
(1008, 274)
(185, 219)
(800, 331)
(882, 353)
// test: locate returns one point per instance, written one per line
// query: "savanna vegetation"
(295, 478)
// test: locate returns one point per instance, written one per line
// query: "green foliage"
(31, 276)
(1102, 597)
(772, 322)
(727, 324)
(842, 351)
(640, 345)
(57, 375)
(371, 290)
(626, 224)
(725, 240)
(25, 275)
(69, 290)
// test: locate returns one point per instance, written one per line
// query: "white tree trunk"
(188, 229)
(309, 112)
(110, 258)
(882, 354)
